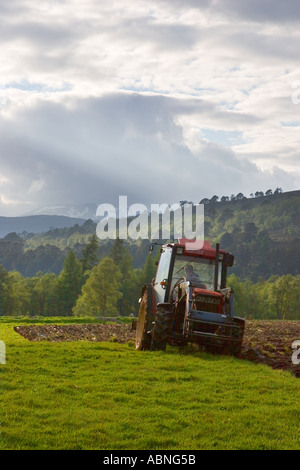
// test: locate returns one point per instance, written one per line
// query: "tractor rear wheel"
(162, 328)
(145, 321)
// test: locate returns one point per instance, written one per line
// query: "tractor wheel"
(236, 348)
(145, 321)
(161, 330)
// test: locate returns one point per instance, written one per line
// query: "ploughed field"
(267, 342)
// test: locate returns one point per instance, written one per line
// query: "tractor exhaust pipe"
(216, 267)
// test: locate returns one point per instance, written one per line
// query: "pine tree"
(117, 251)
(122, 258)
(149, 269)
(3, 289)
(69, 283)
(90, 254)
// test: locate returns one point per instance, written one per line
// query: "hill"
(278, 214)
(36, 223)
(262, 232)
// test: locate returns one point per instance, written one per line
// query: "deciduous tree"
(101, 292)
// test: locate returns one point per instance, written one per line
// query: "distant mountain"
(36, 223)
(263, 233)
(81, 211)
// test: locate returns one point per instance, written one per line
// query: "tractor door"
(162, 274)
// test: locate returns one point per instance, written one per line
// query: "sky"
(157, 100)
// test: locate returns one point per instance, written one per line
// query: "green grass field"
(85, 395)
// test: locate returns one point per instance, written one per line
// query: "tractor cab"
(188, 300)
(198, 263)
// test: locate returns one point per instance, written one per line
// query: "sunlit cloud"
(93, 97)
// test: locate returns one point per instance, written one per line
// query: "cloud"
(256, 10)
(36, 186)
(260, 11)
(96, 149)
(160, 101)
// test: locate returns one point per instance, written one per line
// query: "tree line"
(263, 233)
(87, 286)
(233, 197)
(276, 298)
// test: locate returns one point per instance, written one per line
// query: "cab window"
(162, 272)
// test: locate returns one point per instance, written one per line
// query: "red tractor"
(188, 301)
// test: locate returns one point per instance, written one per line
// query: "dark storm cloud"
(260, 10)
(191, 106)
(184, 3)
(259, 46)
(156, 33)
(96, 149)
(78, 143)
(41, 35)
(9, 8)
(255, 10)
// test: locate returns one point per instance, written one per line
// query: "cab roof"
(203, 249)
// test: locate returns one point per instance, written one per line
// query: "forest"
(85, 286)
(59, 272)
(112, 287)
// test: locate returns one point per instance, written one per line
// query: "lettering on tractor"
(188, 301)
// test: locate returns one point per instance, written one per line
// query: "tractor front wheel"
(161, 330)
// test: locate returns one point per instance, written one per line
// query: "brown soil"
(267, 342)
(118, 332)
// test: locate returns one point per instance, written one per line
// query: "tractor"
(188, 301)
